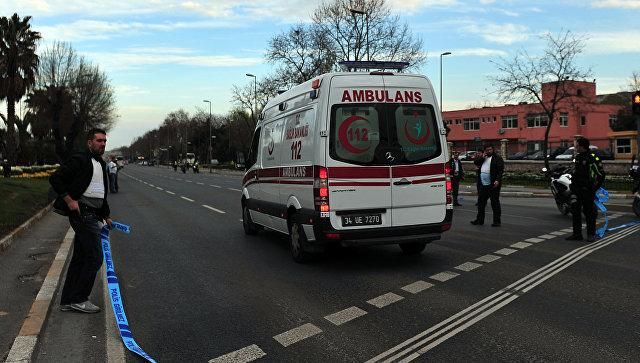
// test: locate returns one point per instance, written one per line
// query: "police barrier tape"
(602, 196)
(114, 292)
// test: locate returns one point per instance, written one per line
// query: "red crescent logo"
(412, 139)
(342, 135)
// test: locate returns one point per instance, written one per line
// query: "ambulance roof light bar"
(351, 66)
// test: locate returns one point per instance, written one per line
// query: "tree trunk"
(545, 143)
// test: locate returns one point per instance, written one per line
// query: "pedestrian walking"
(81, 185)
(457, 174)
(491, 169)
(112, 169)
(587, 177)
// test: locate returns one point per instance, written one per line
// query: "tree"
(524, 77)
(337, 34)
(634, 82)
(18, 65)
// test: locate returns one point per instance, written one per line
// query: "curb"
(544, 195)
(6, 241)
(25, 343)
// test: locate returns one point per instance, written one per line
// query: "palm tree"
(18, 67)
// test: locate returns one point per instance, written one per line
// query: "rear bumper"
(326, 234)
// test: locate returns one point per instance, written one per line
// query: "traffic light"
(635, 101)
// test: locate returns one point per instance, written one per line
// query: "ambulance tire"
(298, 243)
(412, 248)
(250, 228)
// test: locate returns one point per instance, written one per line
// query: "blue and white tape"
(602, 196)
(114, 293)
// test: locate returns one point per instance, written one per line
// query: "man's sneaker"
(574, 237)
(65, 307)
(591, 238)
(85, 307)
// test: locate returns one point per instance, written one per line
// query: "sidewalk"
(530, 192)
(23, 268)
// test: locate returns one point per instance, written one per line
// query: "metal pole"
(209, 102)
(366, 19)
(441, 55)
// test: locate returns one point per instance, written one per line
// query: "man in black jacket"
(490, 170)
(586, 179)
(457, 174)
(81, 184)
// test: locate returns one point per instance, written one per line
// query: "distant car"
(556, 152)
(517, 156)
(214, 162)
(568, 154)
(605, 154)
(467, 155)
(537, 155)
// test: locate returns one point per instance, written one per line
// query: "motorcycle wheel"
(636, 206)
(563, 208)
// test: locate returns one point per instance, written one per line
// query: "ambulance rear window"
(383, 133)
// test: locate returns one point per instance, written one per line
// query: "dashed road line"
(200, 183)
(346, 315)
(185, 198)
(297, 334)
(468, 266)
(189, 181)
(246, 354)
(567, 230)
(215, 186)
(385, 300)
(214, 209)
(505, 251)
(520, 245)
(151, 185)
(547, 236)
(534, 240)
(558, 233)
(234, 189)
(159, 188)
(168, 192)
(444, 276)
(417, 286)
(488, 258)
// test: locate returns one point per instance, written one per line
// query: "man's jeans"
(86, 260)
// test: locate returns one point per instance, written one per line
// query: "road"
(197, 289)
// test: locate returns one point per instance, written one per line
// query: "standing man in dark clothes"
(490, 168)
(457, 174)
(586, 179)
(81, 184)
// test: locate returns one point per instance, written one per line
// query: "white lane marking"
(189, 181)
(215, 186)
(185, 198)
(558, 233)
(246, 354)
(168, 192)
(547, 236)
(417, 286)
(534, 240)
(487, 258)
(241, 220)
(505, 251)
(444, 276)
(145, 182)
(346, 315)
(520, 245)
(234, 189)
(151, 185)
(297, 334)
(385, 300)
(487, 306)
(159, 188)
(214, 209)
(468, 266)
(567, 230)
(200, 183)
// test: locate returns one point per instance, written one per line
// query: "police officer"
(586, 178)
(457, 174)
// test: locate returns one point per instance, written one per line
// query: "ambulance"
(351, 158)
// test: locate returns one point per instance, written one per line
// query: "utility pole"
(209, 102)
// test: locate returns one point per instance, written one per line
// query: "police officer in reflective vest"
(586, 179)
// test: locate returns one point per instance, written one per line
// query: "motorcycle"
(634, 173)
(196, 168)
(183, 168)
(560, 185)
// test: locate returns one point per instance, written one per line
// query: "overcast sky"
(162, 55)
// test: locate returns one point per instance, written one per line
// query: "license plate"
(361, 220)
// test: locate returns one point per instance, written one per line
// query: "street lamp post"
(366, 22)
(209, 102)
(441, 55)
(255, 95)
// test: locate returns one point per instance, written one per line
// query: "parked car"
(517, 156)
(568, 154)
(468, 155)
(605, 154)
(536, 155)
(556, 152)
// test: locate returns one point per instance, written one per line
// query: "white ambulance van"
(355, 158)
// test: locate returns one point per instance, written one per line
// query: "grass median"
(20, 199)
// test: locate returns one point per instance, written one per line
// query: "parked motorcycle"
(560, 185)
(634, 173)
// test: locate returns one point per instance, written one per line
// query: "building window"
(564, 119)
(623, 146)
(579, 92)
(538, 120)
(583, 120)
(564, 143)
(613, 119)
(458, 121)
(471, 124)
(510, 122)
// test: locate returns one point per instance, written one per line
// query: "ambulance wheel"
(412, 248)
(298, 243)
(250, 228)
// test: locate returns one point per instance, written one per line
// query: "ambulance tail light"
(449, 185)
(321, 190)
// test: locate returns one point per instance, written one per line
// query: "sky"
(164, 55)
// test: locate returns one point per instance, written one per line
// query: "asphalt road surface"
(197, 289)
